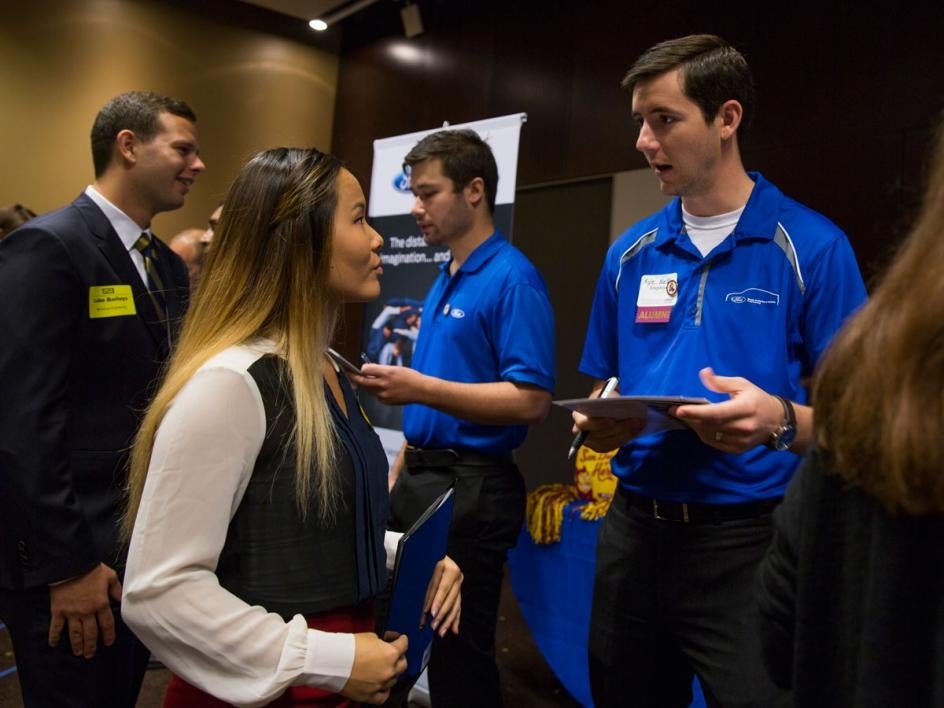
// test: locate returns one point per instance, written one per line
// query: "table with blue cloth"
(553, 584)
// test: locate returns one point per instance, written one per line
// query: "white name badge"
(657, 296)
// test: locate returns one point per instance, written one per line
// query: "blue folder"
(418, 552)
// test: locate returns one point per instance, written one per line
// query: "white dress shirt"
(126, 228)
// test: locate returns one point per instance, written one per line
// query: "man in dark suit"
(88, 310)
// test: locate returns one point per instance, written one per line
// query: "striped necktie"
(155, 285)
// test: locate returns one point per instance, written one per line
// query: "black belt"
(686, 513)
(448, 457)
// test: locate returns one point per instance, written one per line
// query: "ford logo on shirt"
(457, 313)
(753, 296)
(401, 182)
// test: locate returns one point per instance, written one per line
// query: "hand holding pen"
(392, 384)
(608, 388)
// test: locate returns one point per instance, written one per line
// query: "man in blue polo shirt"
(730, 292)
(483, 370)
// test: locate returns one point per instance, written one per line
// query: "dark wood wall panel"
(564, 230)
(520, 44)
(848, 196)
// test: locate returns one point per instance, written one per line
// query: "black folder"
(418, 552)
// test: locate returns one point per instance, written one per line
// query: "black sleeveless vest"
(274, 558)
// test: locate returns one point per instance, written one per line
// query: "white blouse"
(204, 453)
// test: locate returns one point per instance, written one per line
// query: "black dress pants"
(672, 600)
(51, 677)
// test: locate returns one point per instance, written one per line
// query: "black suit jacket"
(72, 390)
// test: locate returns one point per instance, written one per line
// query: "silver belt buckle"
(657, 515)
(655, 511)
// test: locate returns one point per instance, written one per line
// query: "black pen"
(365, 359)
(608, 388)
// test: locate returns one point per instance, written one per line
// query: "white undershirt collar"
(126, 228)
(706, 232)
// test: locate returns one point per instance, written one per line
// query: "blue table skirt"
(554, 587)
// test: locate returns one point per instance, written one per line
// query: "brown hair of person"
(464, 156)
(712, 72)
(137, 111)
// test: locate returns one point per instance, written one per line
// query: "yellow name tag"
(110, 301)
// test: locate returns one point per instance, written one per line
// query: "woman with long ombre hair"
(852, 590)
(258, 492)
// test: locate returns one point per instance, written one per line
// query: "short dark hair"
(13, 216)
(137, 111)
(23, 212)
(464, 157)
(712, 72)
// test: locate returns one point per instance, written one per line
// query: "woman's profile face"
(355, 259)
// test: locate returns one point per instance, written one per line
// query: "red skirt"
(181, 694)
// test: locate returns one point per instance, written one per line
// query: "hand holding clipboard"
(424, 580)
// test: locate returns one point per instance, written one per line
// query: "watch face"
(785, 439)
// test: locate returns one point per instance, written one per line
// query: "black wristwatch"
(782, 438)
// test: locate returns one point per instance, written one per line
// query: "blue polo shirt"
(490, 321)
(763, 305)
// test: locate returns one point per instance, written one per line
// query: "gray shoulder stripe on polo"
(782, 239)
(641, 242)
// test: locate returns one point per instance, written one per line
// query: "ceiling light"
(345, 10)
(405, 52)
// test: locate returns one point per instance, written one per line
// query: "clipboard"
(418, 552)
(652, 409)
(627, 406)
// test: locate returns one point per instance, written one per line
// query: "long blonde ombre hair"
(266, 276)
(879, 395)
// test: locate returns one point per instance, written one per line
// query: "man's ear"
(730, 115)
(475, 191)
(125, 144)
